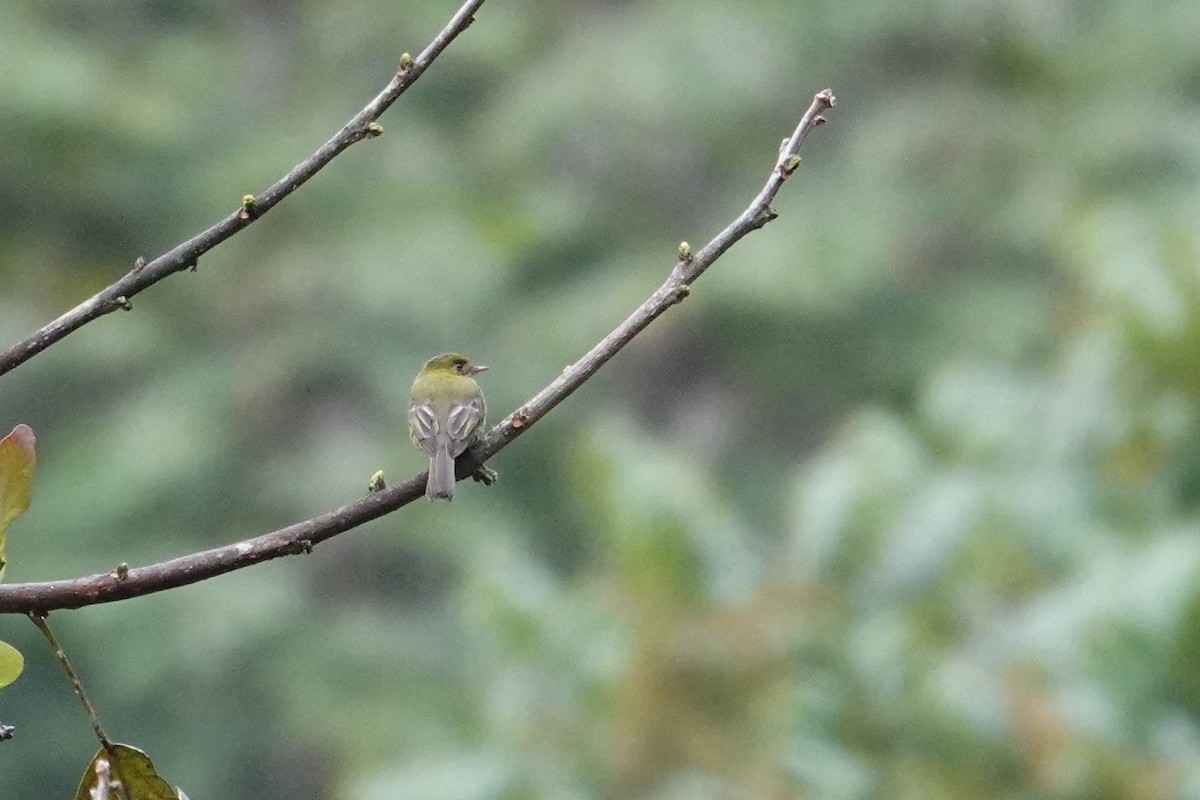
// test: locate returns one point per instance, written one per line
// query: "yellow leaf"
(11, 664)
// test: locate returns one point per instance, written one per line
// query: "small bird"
(446, 415)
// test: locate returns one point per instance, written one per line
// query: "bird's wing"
(463, 423)
(423, 426)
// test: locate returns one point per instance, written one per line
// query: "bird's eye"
(460, 365)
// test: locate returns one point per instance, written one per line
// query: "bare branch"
(124, 582)
(185, 255)
(688, 269)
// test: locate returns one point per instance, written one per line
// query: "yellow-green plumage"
(446, 415)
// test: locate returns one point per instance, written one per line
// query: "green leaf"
(133, 768)
(11, 664)
(17, 459)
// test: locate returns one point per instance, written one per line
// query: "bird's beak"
(478, 368)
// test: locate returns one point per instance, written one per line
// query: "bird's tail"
(441, 474)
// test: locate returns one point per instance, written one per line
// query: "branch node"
(376, 483)
(819, 120)
(685, 253)
(123, 303)
(306, 546)
(247, 209)
(679, 293)
(192, 266)
(138, 263)
(119, 572)
(520, 419)
(406, 62)
(763, 216)
(374, 129)
(789, 165)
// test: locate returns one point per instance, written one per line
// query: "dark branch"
(301, 537)
(123, 583)
(185, 255)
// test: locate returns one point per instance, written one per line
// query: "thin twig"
(185, 255)
(675, 289)
(123, 583)
(39, 619)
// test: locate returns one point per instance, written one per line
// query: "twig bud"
(679, 293)
(248, 201)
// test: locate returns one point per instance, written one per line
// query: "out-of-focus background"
(901, 503)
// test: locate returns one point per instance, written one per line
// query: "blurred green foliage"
(901, 503)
